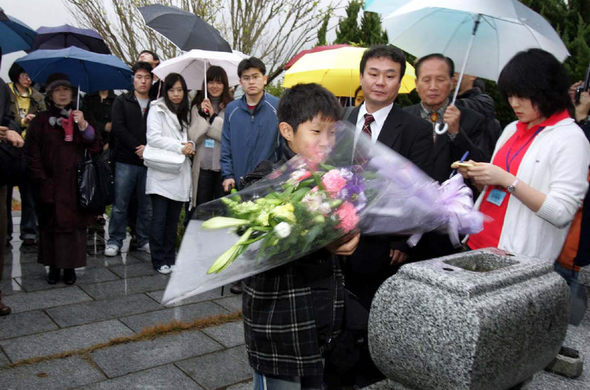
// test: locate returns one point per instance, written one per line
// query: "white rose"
(282, 229)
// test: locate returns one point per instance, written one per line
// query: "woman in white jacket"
(538, 174)
(167, 125)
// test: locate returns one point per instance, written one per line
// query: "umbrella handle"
(444, 129)
(440, 131)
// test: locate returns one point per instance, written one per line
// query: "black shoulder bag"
(95, 182)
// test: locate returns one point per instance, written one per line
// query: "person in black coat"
(11, 136)
(99, 106)
(378, 257)
(582, 117)
(129, 115)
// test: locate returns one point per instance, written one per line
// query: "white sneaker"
(111, 250)
(144, 248)
(164, 269)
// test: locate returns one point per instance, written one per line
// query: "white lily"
(223, 223)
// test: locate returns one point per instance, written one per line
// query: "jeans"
(578, 294)
(166, 213)
(209, 187)
(28, 220)
(129, 183)
(265, 382)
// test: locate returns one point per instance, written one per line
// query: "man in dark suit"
(466, 128)
(382, 68)
(378, 257)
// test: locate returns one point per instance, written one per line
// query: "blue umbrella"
(14, 34)
(60, 37)
(89, 71)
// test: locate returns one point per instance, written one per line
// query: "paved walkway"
(113, 297)
(62, 335)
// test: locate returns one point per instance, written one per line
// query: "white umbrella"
(193, 66)
(483, 35)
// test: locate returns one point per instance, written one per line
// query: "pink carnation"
(348, 217)
(333, 182)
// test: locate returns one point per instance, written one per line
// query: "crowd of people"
(530, 179)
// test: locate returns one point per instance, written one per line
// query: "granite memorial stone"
(476, 320)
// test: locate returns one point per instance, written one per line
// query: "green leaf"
(231, 254)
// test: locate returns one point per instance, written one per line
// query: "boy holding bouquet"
(293, 312)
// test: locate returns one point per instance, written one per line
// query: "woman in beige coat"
(205, 131)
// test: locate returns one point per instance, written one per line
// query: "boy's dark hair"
(154, 55)
(215, 73)
(182, 109)
(141, 65)
(536, 75)
(450, 63)
(251, 62)
(303, 102)
(14, 72)
(385, 51)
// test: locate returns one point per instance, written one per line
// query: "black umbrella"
(184, 29)
(61, 37)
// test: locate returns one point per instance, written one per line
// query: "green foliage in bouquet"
(311, 210)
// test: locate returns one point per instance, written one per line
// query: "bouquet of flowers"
(311, 207)
(304, 205)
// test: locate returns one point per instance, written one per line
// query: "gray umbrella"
(184, 29)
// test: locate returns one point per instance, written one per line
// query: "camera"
(584, 87)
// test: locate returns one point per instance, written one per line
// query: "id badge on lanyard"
(496, 196)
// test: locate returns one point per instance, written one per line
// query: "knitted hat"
(55, 80)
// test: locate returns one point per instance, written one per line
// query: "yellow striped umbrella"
(338, 71)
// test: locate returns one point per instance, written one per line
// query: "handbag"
(13, 165)
(95, 183)
(162, 159)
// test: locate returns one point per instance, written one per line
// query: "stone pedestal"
(476, 320)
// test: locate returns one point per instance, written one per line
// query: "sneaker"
(144, 248)
(111, 250)
(164, 269)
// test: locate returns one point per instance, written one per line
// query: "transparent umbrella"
(482, 35)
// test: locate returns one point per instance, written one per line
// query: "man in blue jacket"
(250, 127)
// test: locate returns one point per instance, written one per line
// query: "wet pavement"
(113, 297)
(61, 337)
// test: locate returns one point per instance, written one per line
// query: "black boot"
(69, 276)
(53, 275)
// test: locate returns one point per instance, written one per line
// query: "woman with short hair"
(56, 143)
(25, 103)
(538, 174)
